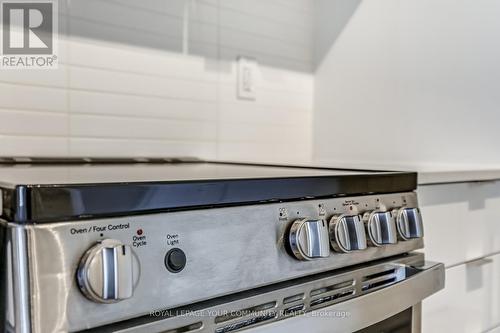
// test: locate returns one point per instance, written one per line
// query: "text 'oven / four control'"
(312, 238)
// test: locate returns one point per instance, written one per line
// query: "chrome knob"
(347, 233)
(409, 223)
(381, 228)
(108, 272)
(308, 239)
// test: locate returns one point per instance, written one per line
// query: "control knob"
(347, 233)
(308, 239)
(381, 228)
(108, 272)
(409, 223)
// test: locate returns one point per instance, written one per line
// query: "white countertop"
(427, 174)
(441, 177)
(434, 173)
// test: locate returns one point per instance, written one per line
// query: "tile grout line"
(218, 89)
(68, 78)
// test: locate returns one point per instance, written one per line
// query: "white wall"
(409, 84)
(125, 88)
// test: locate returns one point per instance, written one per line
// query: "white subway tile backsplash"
(228, 53)
(271, 11)
(264, 152)
(268, 98)
(38, 123)
(274, 79)
(230, 19)
(301, 5)
(203, 32)
(140, 84)
(24, 145)
(141, 128)
(115, 14)
(22, 96)
(246, 129)
(140, 79)
(50, 78)
(140, 148)
(172, 8)
(248, 114)
(209, 51)
(87, 29)
(286, 80)
(235, 132)
(251, 43)
(138, 60)
(103, 103)
(204, 12)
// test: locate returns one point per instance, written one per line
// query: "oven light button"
(108, 272)
(409, 223)
(175, 260)
(381, 228)
(308, 239)
(347, 233)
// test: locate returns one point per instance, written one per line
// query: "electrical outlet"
(247, 76)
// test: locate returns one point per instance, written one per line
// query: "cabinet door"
(470, 302)
(461, 221)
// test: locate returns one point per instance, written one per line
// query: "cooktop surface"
(93, 174)
(47, 191)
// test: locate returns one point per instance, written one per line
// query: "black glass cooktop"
(61, 190)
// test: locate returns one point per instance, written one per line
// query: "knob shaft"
(381, 228)
(409, 223)
(347, 233)
(308, 239)
(108, 272)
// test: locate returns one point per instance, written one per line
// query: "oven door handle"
(364, 311)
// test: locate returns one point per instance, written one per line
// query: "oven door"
(407, 321)
(393, 309)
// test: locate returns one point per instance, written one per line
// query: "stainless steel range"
(188, 246)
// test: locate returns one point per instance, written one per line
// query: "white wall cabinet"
(462, 229)
(461, 221)
(470, 302)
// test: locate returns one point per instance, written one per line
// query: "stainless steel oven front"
(337, 256)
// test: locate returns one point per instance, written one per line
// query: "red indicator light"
(139, 232)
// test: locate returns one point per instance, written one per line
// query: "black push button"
(175, 260)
